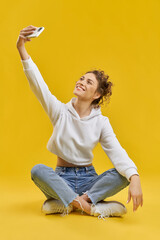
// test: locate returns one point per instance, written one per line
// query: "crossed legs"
(109, 183)
(85, 203)
(53, 186)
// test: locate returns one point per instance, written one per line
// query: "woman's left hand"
(135, 192)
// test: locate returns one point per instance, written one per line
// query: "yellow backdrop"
(120, 37)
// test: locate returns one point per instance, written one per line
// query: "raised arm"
(22, 39)
(49, 102)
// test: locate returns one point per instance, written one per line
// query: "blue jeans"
(66, 183)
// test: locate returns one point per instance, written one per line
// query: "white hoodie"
(74, 138)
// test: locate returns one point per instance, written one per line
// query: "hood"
(94, 111)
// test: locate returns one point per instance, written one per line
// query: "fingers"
(28, 30)
(23, 35)
(137, 201)
(26, 33)
(142, 201)
(129, 196)
(135, 204)
(136, 192)
(29, 27)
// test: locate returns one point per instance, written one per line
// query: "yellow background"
(120, 37)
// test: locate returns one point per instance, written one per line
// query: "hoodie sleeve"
(116, 153)
(49, 102)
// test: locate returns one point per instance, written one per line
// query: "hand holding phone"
(22, 38)
(36, 33)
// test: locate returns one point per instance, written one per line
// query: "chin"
(75, 93)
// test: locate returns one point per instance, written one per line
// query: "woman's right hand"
(22, 38)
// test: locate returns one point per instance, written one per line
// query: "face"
(86, 87)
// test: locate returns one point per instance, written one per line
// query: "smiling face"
(86, 87)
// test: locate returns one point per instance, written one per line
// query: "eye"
(87, 81)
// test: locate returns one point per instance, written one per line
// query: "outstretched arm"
(22, 39)
(49, 102)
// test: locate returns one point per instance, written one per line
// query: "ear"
(97, 95)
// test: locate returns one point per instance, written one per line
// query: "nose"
(79, 83)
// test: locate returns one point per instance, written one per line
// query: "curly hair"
(104, 87)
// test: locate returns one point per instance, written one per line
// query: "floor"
(21, 216)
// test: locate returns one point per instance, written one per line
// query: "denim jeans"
(66, 183)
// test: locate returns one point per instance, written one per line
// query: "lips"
(80, 87)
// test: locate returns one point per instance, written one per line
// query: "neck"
(82, 108)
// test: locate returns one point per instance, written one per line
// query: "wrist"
(134, 176)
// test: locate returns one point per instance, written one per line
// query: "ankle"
(82, 204)
(86, 198)
(75, 202)
(74, 208)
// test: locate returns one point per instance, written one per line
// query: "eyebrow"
(89, 79)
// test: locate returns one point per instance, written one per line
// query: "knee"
(35, 171)
(123, 181)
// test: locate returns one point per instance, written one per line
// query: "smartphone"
(36, 33)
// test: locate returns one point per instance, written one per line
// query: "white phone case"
(36, 33)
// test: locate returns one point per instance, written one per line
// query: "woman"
(78, 126)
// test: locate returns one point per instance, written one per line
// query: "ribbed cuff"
(27, 63)
(130, 172)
